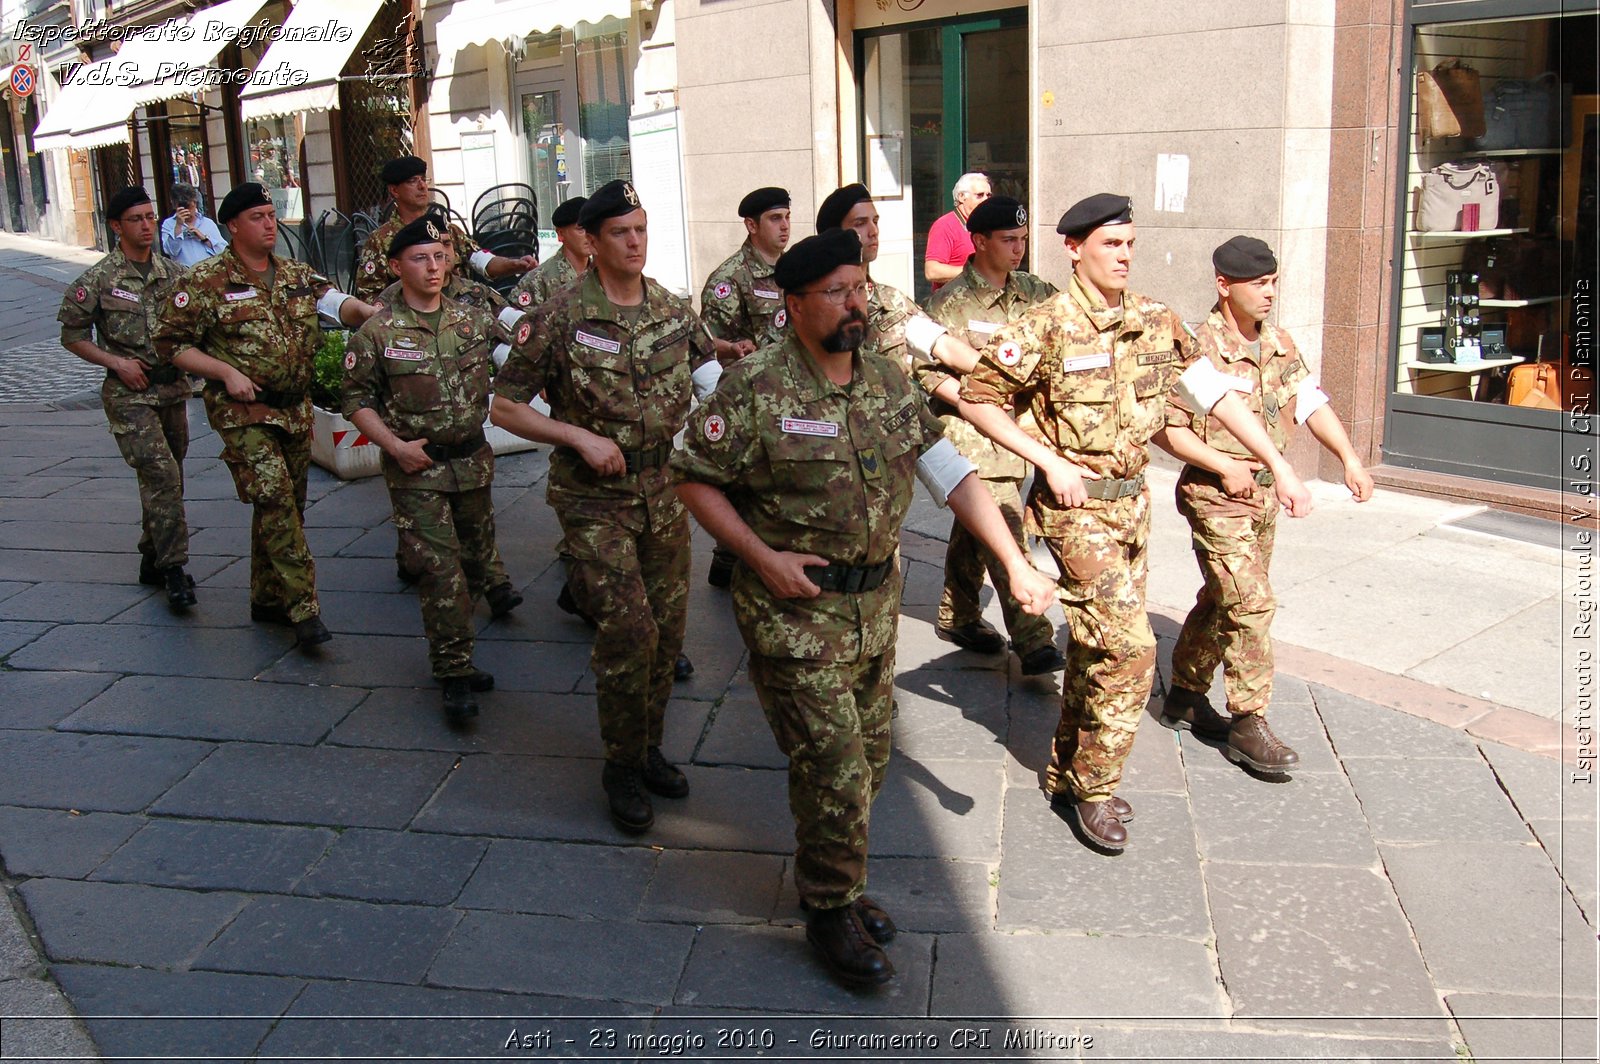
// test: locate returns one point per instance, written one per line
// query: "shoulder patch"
(524, 298)
(781, 318)
(180, 300)
(82, 294)
(349, 360)
(715, 428)
(524, 331)
(371, 267)
(723, 290)
(1009, 353)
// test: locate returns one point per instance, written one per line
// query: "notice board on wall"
(657, 162)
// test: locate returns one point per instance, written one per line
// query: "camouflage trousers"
(831, 719)
(447, 539)
(153, 440)
(1231, 622)
(635, 583)
(1111, 661)
(269, 467)
(966, 559)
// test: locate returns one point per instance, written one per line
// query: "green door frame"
(954, 75)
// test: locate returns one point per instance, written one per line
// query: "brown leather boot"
(846, 948)
(875, 920)
(1186, 710)
(1096, 824)
(1120, 809)
(1251, 742)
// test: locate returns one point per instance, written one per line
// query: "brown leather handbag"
(1449, 102)
(1549, 385)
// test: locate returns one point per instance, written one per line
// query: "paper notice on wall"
(1172, 183)
(657, 162)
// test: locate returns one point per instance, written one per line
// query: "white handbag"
(1449, 187)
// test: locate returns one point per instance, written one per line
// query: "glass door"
(549, 159)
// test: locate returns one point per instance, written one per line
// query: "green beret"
(611, 200)
(997, 212)
(125, 200)
(839, 203)
(1245, 258)
(816, 256)
(243, 198)
(1087, 215)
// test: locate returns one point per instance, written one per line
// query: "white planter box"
(339, 447)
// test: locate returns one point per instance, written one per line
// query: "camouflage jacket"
(626, 382)
(539, 284)
(888, 310)
(816, 468)
(1094, 378)
(1273, 381)
(973, 309)
(741, 301)
(427, 385)
(459, 288)
(372, 262)
(113, 305)
(272, 337)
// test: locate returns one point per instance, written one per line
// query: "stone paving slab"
(739, 733)
(40, 699)
(60, 843)
(1571, 846)
(126, 923)
(74, 603)
(157, 650)
(938, 809)
(131, 1012)
(1538, 786)
(331, 938)
(1300, 942)
(489, 951)
(1433, 800)
(1315, 819)
(195, 708)
(730, 969)
(1513, 1027)
(932, 895)
(319, 785)
(552, 879)
(119, 774)
(713, 887)
(400, 867)
(15, 635)
(947, 715)
(1360, 729)
(203, 855)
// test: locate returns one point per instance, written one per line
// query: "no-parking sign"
(22, 80)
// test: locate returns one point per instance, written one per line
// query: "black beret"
(398, 171)
(816, 256)
(429, 229)
(567, 213)
(243, 198)
(997, 212)
(124, 200)
(831, 214)
(1087, 215)
(763, 200)
(1244, 257)
(611, 200)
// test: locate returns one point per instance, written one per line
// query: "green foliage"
(327, 377)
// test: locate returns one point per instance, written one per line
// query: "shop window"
(273, 145)
(603, 105)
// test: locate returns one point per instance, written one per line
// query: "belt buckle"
(630, 461)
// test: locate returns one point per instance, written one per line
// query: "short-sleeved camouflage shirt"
(223, 308)
(1094, 378)
(622, 378)
(427, 385)
(116, 306)
(1274, 377)
(539, 284)
(741, 301)
(816, 468)
(372, 263)
(973, 309)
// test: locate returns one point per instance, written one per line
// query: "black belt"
(168, 374)
(445, 452)
(265, 396)
(649, 458)
(851, 579)
(1107, 488)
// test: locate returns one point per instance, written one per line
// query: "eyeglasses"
(837, 296)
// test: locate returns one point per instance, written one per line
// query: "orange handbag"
(1549, 386)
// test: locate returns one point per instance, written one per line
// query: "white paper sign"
(1172, 183)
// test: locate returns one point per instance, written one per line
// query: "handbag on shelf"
(1450, 186)
(1523, 114)
(1449, 102)
(1549, 385)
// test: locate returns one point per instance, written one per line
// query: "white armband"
(1202, 386)
(480, 261)
(941, 468)
(705, 379)
(330, 303)
(500, 353)
(922, 332)
(1308, 399)
(510, 316)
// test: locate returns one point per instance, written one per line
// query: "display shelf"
(1460, 234)
(1463, 367)
(1512, 153)
(1513, 303)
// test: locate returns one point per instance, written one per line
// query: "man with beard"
(801, 463)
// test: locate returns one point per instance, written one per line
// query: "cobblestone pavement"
(34, 274)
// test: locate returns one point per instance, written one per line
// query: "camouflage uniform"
(435, 386)
(114, 305)
(1095, 380)
(539, 284)
(888, 310)
(223, 308)
(973, 309)
(1231, 621)
(741, 301)
(817, 468)
(628, 380)
(458, 288)
(372, 262)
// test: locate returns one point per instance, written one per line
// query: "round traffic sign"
(22, 81)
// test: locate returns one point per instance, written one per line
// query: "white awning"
(90, 101)
(320, 60)
(482, 21)
(175, 67)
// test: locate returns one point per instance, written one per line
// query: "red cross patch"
(524, 331)
(723, 290)
(781, 318)
(715, 428)
(180, 300)
(524, 298)
(349, 360)
(81, 295)
(1009, 354)
(371, 267)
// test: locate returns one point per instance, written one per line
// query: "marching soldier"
(1092, 367)
(802, 463)
(247, 321)
(559, 270)
(417, 385)
(988, 292)
(741, 302)
(107, 319)
(1226, 498)
(616, 355)
(407, 181)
